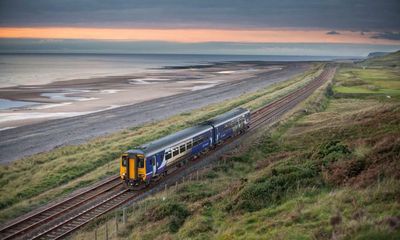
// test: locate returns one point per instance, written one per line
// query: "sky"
(288, 27)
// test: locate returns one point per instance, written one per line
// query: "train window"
(153, 161)
(189, 145)
(124, 161)
(168, 155)
(182, 148)
(140, 162)
(228, 125)
(175, 151)
(197, 140)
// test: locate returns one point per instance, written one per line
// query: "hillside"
(376, 54)
(387, 60)
(331, 172)
(378, 78)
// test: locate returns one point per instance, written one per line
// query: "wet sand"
(84, 96)
(143, 103)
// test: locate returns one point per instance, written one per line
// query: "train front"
(133, 168)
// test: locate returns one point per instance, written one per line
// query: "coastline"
(45, 135)
(84, 96)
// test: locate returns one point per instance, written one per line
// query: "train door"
(247, 119)
(132, 168)
(124, 168)
(140, 166)
(153, 162)
(160, 161)
(215, 134)
(241, 122)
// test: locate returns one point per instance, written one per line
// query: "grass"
(388, 61)
(35, 180)
(331, 172)
(368, 82)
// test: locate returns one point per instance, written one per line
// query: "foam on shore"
(18, 116)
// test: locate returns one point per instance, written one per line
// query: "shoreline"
(45, 135)
(75, 97)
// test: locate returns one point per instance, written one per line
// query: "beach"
(71, 112)
(38, 103)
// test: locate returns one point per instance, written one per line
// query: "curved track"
(70, 214)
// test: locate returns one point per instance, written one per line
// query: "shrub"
(371, 233)
(329, 91)
(198, 228)
(272, 188)
(194, 192)
(269, 145)
(356, 167)
(176, 212)
(211, 174)
(332, 151)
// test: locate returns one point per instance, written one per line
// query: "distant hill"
(377, 54)
(386, 60)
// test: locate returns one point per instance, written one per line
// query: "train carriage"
(153, 159)
(230, 124)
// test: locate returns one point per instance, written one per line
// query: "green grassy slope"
(390, 60)
(333, 173)
(377, 77)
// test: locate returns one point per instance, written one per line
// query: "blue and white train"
(140, 166)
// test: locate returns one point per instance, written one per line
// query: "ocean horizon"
(43, 68)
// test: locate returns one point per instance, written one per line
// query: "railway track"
(272, 111)
(27, 223)
(110, 195)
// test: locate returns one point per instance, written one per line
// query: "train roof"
(170, 140)
(227, 116)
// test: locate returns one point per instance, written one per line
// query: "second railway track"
(68, 215)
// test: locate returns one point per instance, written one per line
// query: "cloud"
(273, 35)
(387, 35)
(49, 40)
(338, 14)
(333, 33)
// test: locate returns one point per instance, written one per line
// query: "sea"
(36, 69)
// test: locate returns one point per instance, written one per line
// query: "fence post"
(124, 215)
(197, 177)
(116, 225)
(106, 230)
(95, 234)
(176, 185)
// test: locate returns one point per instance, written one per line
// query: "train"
(149, 162)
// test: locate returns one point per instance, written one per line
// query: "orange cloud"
(195, 35)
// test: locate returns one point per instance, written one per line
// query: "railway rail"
(67, 215)
(27, 223)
